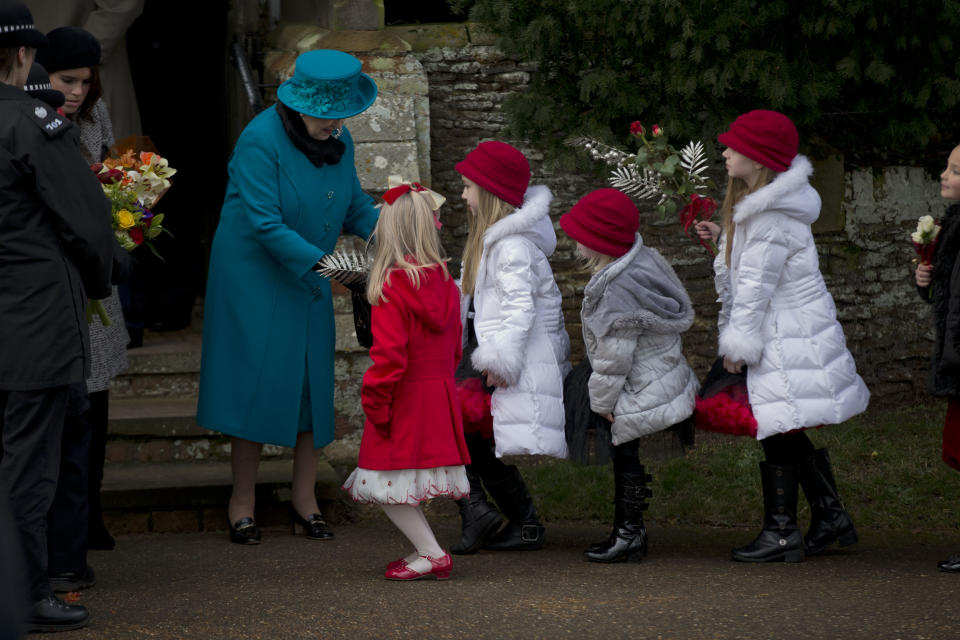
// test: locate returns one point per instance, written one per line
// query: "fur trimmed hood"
(638, 292)
(532, 220)
(789, 193)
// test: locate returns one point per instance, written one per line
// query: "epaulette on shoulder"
(50, 122)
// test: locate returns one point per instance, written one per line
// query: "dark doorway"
(178, 56)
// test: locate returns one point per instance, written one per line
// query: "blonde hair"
(591, 259)
(404, 239)
(491, 209)
(737, 190)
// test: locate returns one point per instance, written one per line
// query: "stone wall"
(865, 250)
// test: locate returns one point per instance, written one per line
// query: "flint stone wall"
(864, 245)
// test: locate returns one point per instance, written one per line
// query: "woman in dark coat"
(268, 332)
(939, 284)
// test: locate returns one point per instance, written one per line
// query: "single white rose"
(917, 237)
(925, 225)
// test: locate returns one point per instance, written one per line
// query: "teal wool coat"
(268, 318)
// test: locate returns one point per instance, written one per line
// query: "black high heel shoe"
(244, 531)
(314, 526)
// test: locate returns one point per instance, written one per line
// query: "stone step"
(165, 417)
(189, 496)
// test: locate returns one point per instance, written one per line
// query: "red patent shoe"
(439, 569)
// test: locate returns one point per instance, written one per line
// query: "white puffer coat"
(520, 332)
(778, 316)
(634, 311)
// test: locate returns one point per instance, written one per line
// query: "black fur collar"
(319, 152)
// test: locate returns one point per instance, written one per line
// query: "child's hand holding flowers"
(924, 241)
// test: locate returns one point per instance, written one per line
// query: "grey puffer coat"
(634, 311)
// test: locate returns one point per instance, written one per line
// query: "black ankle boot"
(780, 538)
(478, 517)
(628, 542)
(829, 521)
(523, 531)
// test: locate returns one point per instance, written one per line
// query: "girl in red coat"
(412, 447)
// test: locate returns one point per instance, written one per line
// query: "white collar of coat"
(763, 199)
(536, 204)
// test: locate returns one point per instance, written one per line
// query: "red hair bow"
(391, 195)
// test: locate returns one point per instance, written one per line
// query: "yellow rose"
(125, 219)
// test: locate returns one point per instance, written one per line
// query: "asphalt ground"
(199, 585)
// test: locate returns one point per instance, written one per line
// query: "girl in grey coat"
(634, 310)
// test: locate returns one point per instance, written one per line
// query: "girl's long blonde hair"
(491, 209)
(405, 239)
(737, 190)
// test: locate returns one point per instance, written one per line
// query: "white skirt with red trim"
(407, 486)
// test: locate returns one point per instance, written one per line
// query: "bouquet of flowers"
(133, 182)
(925, 240)
(658, 171)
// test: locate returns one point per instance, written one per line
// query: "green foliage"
(878, 79)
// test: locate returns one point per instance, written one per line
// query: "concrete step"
(190, 496)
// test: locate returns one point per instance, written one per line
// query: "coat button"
(779, 492)
(329, 195)
(326, 226)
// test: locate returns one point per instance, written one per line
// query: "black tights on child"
(626, 458)
(787, 449)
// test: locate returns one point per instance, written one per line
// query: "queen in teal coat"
(268, 334)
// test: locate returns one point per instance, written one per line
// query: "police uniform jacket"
(56, 246)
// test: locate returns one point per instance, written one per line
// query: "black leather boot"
(478, 517)
(523, 531)
(829, 521)
(617, 512)
(780, 538)
(628, 542)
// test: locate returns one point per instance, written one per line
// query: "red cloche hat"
(767, 137)
(605, 220)
(499, 168)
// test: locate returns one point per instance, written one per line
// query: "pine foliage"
(878, 79)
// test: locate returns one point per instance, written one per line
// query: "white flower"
(925, 225)
(917, 237)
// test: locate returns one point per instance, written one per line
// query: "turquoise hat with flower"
(328, 84)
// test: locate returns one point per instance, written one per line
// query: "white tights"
(413, 524)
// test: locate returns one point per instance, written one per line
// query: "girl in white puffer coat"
(779, 320)
(514, 342)
(634, 310)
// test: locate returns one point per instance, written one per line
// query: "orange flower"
(146, 157)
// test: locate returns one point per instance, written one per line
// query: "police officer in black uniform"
(56, 251)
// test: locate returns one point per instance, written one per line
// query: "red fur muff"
(728, 411)
(475, 407)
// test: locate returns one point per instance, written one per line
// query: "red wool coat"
(409, 396)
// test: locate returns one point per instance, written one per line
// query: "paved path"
(201, 586)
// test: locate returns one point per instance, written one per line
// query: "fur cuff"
(740, 346)
(505, 363)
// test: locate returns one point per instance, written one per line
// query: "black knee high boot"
(829, 521)
(479, 517)
(523, 531)
(780, 538)
(628, 542)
